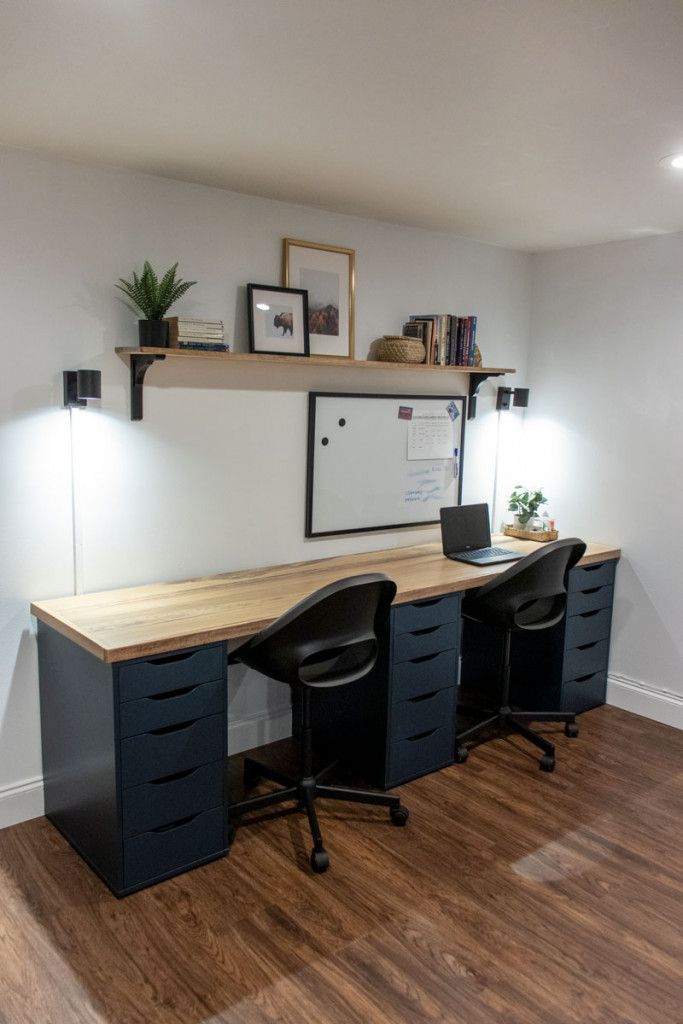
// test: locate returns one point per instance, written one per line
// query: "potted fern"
(525, 504)
(153, 298)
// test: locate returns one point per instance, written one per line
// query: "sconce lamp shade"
(89, 383)
(80, 385)
(521, 397)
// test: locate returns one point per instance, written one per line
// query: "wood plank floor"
(512, 897)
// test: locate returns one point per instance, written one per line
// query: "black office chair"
(530, 595)
(329, 639)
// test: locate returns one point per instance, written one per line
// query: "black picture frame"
(260, 342)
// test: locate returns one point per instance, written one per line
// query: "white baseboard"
(21, 801)
(262, 727)
(645, 699)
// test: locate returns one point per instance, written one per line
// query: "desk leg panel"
(79, 742)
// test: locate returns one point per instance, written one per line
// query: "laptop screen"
(464, 528)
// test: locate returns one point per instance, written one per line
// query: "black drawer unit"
(164, 851)
(425, 674)
(425, 641)
(587, 627)
(585, 692)
(586, 577)
(171, 708)
(172, 797)
(398, 722)
(143, 742)
(421, 753)
(430, 612)
(565, 668)
(582, 661)
(153, 755)
(581, 601)
(410, 717)
(422, 681)
(169, 672)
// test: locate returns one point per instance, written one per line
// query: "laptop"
(466, 536)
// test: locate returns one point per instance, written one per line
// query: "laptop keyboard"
(488, 552)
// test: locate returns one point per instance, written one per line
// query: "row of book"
(188, 332)
(449, 340)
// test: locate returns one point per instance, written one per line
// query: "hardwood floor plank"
(512, 896)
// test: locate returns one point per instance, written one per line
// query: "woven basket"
(542, 536)
(394, 348)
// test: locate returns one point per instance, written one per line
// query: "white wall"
(603, 435)
(213, 478)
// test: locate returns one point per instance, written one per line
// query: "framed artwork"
(278, 320)
(327, 274)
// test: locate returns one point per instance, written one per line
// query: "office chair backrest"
(329, 638)
(532, 593)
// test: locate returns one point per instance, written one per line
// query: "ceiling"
(533, 124)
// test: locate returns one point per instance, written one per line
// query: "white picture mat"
(268, 339)
(362, 478)
(300, 258)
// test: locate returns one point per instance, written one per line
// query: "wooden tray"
(541, 536)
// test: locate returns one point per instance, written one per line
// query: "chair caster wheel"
(547, 763)
(320, 861)
(461, 755)
(399, 815)
(571, 729)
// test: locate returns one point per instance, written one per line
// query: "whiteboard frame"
(313, 396)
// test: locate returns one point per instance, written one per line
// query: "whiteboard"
(381, 461)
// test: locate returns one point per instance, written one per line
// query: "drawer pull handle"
(423, 696)
(589, 615)
(173, 728)
(425, 657)
(587, 647)
(169, 659)
(174, 824)
(428, 604)
(592, 568)
(422, 735)
(426, 631)
(591, 590)
(583, 679)
(174, 778)
(173, 693)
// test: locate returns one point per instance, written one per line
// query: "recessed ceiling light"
(675, 161)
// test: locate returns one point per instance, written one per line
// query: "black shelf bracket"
(476, 381)
(139, 365)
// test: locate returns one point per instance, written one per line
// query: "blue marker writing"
(455, 463)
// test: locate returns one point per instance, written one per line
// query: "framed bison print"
(327, 274)
(278, 320)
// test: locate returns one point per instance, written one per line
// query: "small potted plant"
(525, 504)
(153, 298)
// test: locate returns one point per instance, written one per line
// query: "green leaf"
(153, 298)
(166, 287)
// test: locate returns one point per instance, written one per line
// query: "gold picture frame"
(327, 273)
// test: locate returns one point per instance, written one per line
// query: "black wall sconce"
(80, 385)
(514, 396)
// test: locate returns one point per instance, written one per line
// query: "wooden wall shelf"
(140, 359)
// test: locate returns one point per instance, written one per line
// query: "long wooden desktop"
(133, 689)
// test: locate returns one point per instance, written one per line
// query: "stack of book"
(186, 332)
(448, 339)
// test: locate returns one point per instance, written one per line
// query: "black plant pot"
(153, 333)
